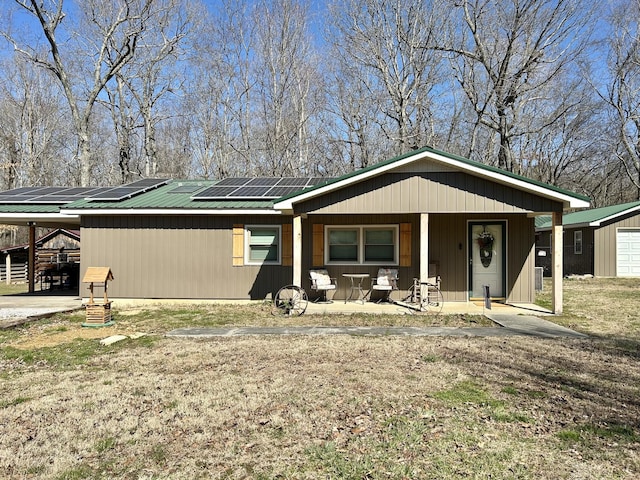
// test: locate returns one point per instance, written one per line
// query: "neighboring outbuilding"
(57, 259)
(245, 238)
(604, 242)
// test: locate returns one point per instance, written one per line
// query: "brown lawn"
(325, 407)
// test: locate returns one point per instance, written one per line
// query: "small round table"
(356, 285)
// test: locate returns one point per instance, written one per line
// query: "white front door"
(487, 259)
(628, 253)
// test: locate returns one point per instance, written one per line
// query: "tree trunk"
(84, 152)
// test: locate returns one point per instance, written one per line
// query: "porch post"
(424, 247)
(297, 250)
(556, 272)
(31, 270)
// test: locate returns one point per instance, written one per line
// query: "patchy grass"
(13, 289)
(324, 407)
(598, 306)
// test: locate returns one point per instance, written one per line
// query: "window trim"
(577, 240)
(395, 228)
(247, 244)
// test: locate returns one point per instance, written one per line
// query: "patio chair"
(321, 282)
(386, 281)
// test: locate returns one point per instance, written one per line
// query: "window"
(362, 244)
(262, 244)
(577, 242)
(343, 245)
(379, 245)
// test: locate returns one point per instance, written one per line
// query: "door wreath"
(485, 242)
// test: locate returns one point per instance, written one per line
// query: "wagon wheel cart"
(290, 300)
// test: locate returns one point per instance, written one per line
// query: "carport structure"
(33, 216)
(35, 207)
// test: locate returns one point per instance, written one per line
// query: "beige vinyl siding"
(448, 250)
(520, 259)
(605, 245)
(176, 257)
(433, 192)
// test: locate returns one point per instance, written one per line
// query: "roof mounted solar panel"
(237, 181)
(62, 195)
(293, 182)
(263, 181)
(114, 194)
(261, 188)
(54, 199)
(19, 191)
(18, 199)
(277, 192)
(50, 190)
(214, 192)
(148, 183)
(127, 191)
(250, 192)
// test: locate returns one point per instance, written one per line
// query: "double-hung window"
(376, 245)
(577, 242)
(262, 244)
(344, 245)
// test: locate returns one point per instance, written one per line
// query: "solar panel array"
(62, 195)
(128, 190)
(48, 195)
(264, 188)
(237, 188)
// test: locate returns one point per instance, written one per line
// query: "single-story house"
(604, 242)
(244, 238)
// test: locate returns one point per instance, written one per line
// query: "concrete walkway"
(513, 319)
(510, 325)
(21, 308)
(534, 326)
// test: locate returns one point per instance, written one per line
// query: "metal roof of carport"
(38, 218)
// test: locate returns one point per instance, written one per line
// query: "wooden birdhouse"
(98, 313)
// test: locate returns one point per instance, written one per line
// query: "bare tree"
(392, 40)
(285, 82)
(153, 73)
(221, 86)
(32, 130)
(107, 38)
(506, 52)
(125, 120)
(354, 118)
(622, 94)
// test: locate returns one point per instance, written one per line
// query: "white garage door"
(628, 263)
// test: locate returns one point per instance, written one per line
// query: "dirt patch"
(61, 332)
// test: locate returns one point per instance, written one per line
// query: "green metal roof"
(543, 221)
(34, 208)
(163, 198)
(451, 156)
(591, 217)
(166, 197)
